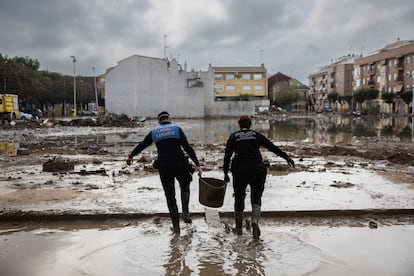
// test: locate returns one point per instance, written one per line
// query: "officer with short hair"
(248, 169)
(172, 164)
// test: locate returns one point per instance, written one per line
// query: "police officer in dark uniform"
(248, 169)
(172, 163)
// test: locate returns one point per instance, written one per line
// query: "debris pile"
(58, 164)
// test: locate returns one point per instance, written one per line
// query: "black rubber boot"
(176, 223)
(185, 199)
(187, 218)
(255, 221)
(239, 222)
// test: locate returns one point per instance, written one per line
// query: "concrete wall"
(233, 108)
(145, 86)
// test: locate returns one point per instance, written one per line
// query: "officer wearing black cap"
(172, 164)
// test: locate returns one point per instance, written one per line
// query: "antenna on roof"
(261, 56)
(165, 46)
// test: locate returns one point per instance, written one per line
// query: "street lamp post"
(412, 108)
(412, 99)
(96, 91)
(74, 86)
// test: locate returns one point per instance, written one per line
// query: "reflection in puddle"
(152, 249)
(312, 129)
(9, 149)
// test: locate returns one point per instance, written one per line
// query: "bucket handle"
(212, 186)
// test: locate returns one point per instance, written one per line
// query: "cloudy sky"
(294, 37)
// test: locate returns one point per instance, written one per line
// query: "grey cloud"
(296, 36)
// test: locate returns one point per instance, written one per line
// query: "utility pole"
(74, 86)
(96, 91)
(165, 46)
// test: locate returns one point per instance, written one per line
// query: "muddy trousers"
(252, 174)
(169, 171)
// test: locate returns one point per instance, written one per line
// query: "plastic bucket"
(211, 191)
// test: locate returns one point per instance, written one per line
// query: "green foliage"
(245, 96)
(347, 98)
(20, 75)
(286, 96)
(388, 97)
(406, 96)
(365, 94)
(23, 61)
(333, 97)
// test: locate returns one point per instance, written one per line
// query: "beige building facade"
(334, 78)
(389, 70)
(238, 83)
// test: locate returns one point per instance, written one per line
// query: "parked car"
(88, 113)
(24, 116)
(37, 113)
(327, 109)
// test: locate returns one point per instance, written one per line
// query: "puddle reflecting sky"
(149, 248)
(317, 129)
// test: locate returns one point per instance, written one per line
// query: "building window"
(230, 87)
(258, 87)
(219, 87)
(247, 88)
(218, 77)
(257, 76)
(229, 76)
(246, 76)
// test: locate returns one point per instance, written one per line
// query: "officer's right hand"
(198, 170)
(226, 178)
(290, 162)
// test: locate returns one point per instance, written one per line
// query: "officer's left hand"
(226, 178)
(290, 162)
(198, 170)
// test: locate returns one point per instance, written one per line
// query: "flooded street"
(149, 248)
(346, 209)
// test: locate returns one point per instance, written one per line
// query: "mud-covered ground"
(68, 185)
(64, 168)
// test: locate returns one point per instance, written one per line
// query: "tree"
(286, 96)
(388, 97)
(333, 97)
(406, 96)
(365, 94)
(21, 76)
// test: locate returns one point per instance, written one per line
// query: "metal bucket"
(211, 192)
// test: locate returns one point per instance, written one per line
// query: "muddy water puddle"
(148, 247)
(324, 179)
(311, 129)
